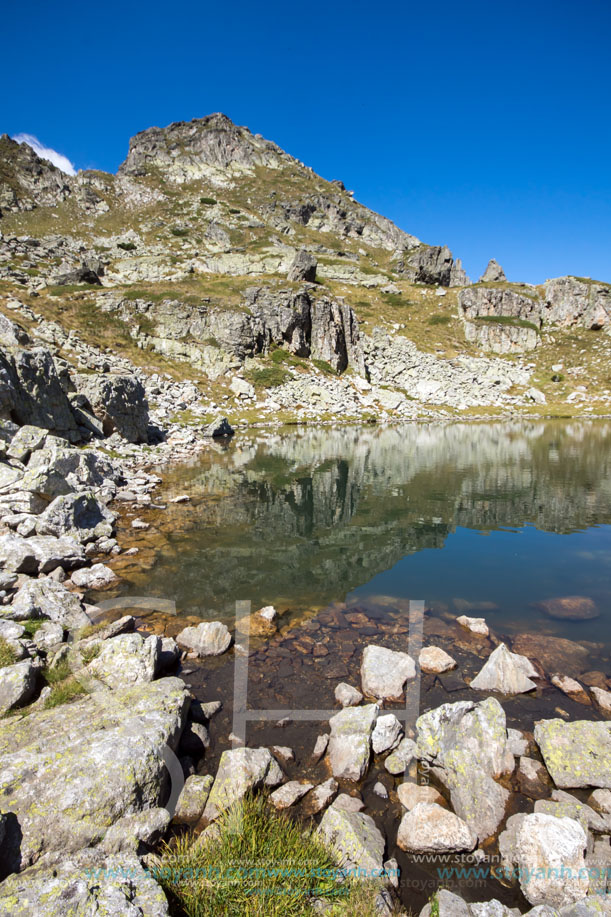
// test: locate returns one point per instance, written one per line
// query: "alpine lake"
(349, 533)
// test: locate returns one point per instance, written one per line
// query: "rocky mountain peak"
(190, 150)
(494, 273)
(26, 180)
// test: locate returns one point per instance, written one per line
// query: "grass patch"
(393, 299)
(64, 289)
(64, 686)
(324, 367)
(210, 201)
(219, 876)
(179, 231)
(127, 246)
(7, 654)
(267, 376)
(89, 653)
(438, 319)
(32, 626)
(508, 320)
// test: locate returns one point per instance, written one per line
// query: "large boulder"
(86, 883)
(58, 469)
(119, 402)
(576, 754)
(572, 300)
(70, 772)
(80, 516)
(384, 672)
(303, 267)
(547, 855)
(494, 273)
(39, 554)
(31, 392)
(355, 837)
(25, 441)
(241, 770)
(466, 747)
(349, 743)
(334, 336)
(45, 598)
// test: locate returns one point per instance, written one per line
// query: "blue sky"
(484, 126)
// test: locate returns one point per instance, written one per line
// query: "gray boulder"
(466, 746)
(98, 576)
(386, 734)
(356, 838)
(583, 302)
(45, 598)
(241, 770)
(27, 440)
(39, 554)
(303, 267)
(58, 469)
(576, 754)
(398, 761)
(80, 516)
(494, 273)
(193, 798)
(119, 402)
(72, 771)
(548, 855)
(17, 685)
(219, 427)
(82, 884)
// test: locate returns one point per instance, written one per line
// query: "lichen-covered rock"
(132, 831)
(128, 659)
(355, 837)
(349, 743)
(429, 828)
(45, 598)
(289, 793)
(31, 392)
(386, 734)
(241, 770)
(384, 672)
(58, 468)
(321, 796)
(466, 746)
(210, 638)
(399, 759)
(119, 402)
(86, 883)
(27, 440)
(506, 673)
(193, 798)
(80, 516)
(17, 685)
(547, 854)
(70, 772)
(576, 754)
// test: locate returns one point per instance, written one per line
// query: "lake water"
(496, 516)
(339, 530)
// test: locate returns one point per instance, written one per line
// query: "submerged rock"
(506, 673)
(384, 672)
(429, 828)
(570, 608)
(411, 794)
(576, 754)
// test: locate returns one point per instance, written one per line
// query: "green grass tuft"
(208, 200)
(438, 319)
(7, 654)
(267, 376)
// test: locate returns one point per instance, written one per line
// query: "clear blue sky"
(482, 125)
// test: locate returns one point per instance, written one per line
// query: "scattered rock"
(95, 577)
(603, 699)
(384, 672)
(347, 695)
(17, 685)
(506, 673)
(288, 794)
(475, 625)
(303, 267)
(219, 427)
(386, 734)
(533, 778)
(411, 794)
(211, 638)
(434, 660)
(241, 770)
(354, 835)
(429, 828)
(399, 760)
(44, 598)
(193, 798)
(320, 747)
(576, 754)
(570, 608)
(349, 742)
(321, 796)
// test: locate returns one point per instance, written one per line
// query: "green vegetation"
(438, 319)
(267, 376)
(32, 625)
(64, 686)
(233, 210)
(210, 201)
(393, 299)
(66, 288)
(7, 654)
(89, 653)
(324, 367)
(508, 320)
(179, 231)
(434, 902)
(127, 246)
(204, 877)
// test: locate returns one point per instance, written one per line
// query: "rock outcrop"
(494, 273)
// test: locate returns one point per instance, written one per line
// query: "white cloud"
(62, 162)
